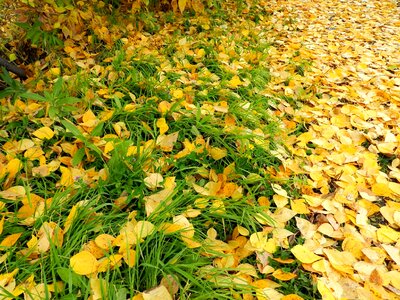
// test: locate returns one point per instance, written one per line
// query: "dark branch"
(12, 68)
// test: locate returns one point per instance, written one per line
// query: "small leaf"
(182, 5)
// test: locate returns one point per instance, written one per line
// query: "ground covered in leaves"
(248, 151)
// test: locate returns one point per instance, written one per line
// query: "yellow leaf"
(304, 255)
(298, 206)
(393, 252)
(33, 153)
(341, 260)
(10, 240)
(189, 147)
(162, 125)
(153, 202)
(182, 5)
(394, 187)
(218, 153)
(385, 234)
(109, 146)
(178, 94)
(84, 263)
(44, 133)
(235, 82)
(279, 190)
(66, 177)
(198, 6)
(381, 189)
(1, 225)
(187, 227)
(164, 106)
(89, 119)
(325, 292)
(313, 201)
(71, 217)
(130, 257)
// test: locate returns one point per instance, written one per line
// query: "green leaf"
(71, 127)
(68, 276)
(33, 96)
(97, 131)
(78, 156)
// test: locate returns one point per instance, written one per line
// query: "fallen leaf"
(304, 255)
(44, 133)
(84, 263)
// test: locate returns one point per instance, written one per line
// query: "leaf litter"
(334, 91)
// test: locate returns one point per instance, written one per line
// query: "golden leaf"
(10, 240)
(66, 177)
(281, 275)
(84, 263)
(70, 218)
(104, 241)
(162, 125)
(44, 133)
(13, 167)
(130, 257)
(182, 5)
(178, 94)
(304, 255)
(1, 224)
(235, 82)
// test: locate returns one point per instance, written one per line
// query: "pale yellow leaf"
(166, 142)
(13, 193)
(158, 293)
(143, 229)
(153, 181)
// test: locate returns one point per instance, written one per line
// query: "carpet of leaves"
(335, 82)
